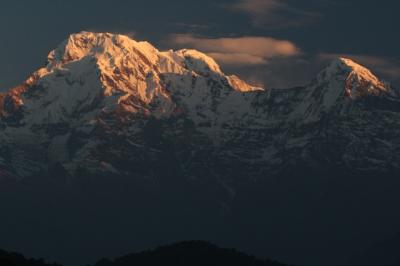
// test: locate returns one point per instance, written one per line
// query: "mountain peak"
(109, 46)
(346, 64)
(82, 44)
(358, 80)
(199, 61)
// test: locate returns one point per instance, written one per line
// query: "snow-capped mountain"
(106, 104)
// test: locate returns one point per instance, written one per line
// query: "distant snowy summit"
(359, 80)
(107, 104)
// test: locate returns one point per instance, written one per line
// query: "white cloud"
(239, 51)
(238, 59)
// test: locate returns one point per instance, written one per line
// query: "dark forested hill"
(15, 259)
(195, 253)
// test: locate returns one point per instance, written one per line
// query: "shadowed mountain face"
(116, 145)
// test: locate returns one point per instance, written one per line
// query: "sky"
(270, 43)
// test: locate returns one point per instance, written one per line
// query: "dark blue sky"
(366, 31)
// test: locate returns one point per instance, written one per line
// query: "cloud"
(274, 13)
(238, 59)
(387, 67)
(239, 51)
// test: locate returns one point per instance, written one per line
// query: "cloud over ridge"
(240, 50)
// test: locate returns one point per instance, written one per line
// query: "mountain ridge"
(99, 85)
